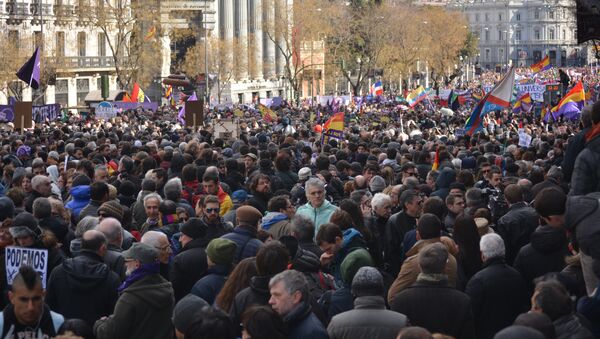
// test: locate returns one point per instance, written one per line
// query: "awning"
(96, 96)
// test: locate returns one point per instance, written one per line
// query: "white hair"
(492, 246)
(457, 163)
(152, 238)
(314, 182)
(379, 199)
(152, 196)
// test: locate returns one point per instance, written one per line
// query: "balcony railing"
(17, 8)
(87, 62)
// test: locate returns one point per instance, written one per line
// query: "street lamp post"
(205, 27)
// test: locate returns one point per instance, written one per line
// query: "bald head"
(360, 181)
(94, 241)
(159, 241)
(112, 230)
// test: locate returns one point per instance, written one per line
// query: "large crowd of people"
(405, 228)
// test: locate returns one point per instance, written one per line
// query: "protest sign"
(105, 110)
(524, 139)
(17, 256)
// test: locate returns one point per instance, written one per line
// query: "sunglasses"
(213, 210)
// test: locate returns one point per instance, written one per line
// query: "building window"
(564, 34)
(60, 44)
(575, 33)
(536, 34)
(81, 44)
(551, 14)
(13, 38)
(501, 54)
(476, 17)
(500, 35)
(551, 34)
(61, 92)
(101, 44)
(536, 15)
(518, 16)
(518, 35)
(487, 35)
(83, 88)
(499, 16)
(37, 39)
(487, 54)
(487, 17)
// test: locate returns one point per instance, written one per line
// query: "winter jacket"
(437, 307)
(144, 310)
(309, 264)
(352, 242)
(81, 198)
(442, 184)
(395, 229)
(188, 267)
(57, 226)
(215, 230)
(544, 254)
(498, 295)
(255, 294)
(586, 172)
(83, 287)
(138, 211)
(277, 224)
(575, 145)
(90, 210)
(260, 201)
(115, 261)
(516, 227)
(288, 179)
(247, 244)
(47, 327)
(209, 286)
(368, 320)
(571, 327)
(589, 307)
(410, 268)
(319, 216)
(302, 323)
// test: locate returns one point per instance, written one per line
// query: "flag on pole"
(30, 71)
(496, 99)
(571, 104)
(376, 89)
(126, 98)
(150, 34)
(416, 96)
(543, 65)
(436, 161)
(523, 104)
(267, 114)
(137, 94)
(334, 127)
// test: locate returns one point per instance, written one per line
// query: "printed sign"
(17, 256)
(524, 139)
(105, 110)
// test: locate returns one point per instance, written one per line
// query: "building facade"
(78, 52)
(259, 61)
(522, 32)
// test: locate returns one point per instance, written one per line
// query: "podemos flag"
(30, 71)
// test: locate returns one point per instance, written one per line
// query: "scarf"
(139, 273)
(168, 219)
(431, 277)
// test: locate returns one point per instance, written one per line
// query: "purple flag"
(30, 71)
(181, 115)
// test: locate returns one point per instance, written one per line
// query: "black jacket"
(259, 201)
(395, 229)
(115, 261)
(256, 294)
(576, 144)
(516, 227)
(437, 307)
(188, 267)
(214, 231)
(498, 295)
(586, 173)
(544, 254)
(57, 226)
(83, 287)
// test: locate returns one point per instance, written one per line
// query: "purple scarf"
(138, 274)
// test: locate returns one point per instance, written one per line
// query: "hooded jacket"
(319, 216)
(303, 323)
(545, 253)
(256, 294)
(277, 224)
(83, 287)
(442, 184)
(353, 242)
(188, 267)
(144, 310)
(81, 198)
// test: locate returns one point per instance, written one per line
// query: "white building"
(523, 32)
(241, 20)
(81, 51)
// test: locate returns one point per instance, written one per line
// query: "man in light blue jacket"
(317, 208)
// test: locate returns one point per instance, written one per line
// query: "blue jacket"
(353, 240)
(246, 241)
(81, 198)
(211, 284)
(303, 323)
(319, 216)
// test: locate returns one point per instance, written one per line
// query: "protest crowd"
(400, 226)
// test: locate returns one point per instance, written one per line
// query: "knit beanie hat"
(221, 251)
(81, 180)
(194, 228)
(7, 208)
(111, 209)
(187, 311)
(353, 262)
(377, 184)
(367, 282)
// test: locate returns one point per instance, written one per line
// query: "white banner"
(17, 256)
